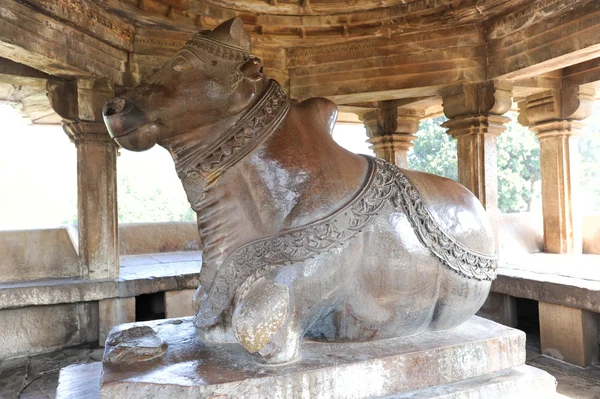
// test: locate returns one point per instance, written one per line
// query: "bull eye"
(181, 64)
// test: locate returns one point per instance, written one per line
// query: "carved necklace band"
(242, 138)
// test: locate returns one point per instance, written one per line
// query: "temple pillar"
(391, 132)
(80, 106)
(475, 119)
(555, 118)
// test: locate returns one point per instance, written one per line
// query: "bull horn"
(234, 33)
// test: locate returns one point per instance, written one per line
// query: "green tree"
(589, 161)
(434, 151)
(518, 168)
(518, 161)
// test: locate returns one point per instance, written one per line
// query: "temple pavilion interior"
(475, 69)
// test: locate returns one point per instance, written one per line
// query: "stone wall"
(45, 328)
(52, 253)
(148, 238)
(37, 254)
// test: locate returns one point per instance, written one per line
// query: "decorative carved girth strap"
(246, 135)
(385, 183)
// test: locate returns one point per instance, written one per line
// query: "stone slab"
(140, 274)
(191, 368)
(37, 254)
(80, 381)
(568, 334)
(567, 280)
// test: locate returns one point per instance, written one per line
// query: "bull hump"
(321, 111)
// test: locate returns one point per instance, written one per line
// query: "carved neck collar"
(241, 139)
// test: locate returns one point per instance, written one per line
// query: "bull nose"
(122, 116)
(114, 106)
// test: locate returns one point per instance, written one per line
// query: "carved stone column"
(391, 132)
(80, 106)
(554, 116)
(475, 120)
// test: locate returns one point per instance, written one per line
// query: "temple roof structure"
(354, 52)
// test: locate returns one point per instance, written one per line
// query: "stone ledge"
(140, 274)
(572, 281)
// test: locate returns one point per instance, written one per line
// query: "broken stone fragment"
(131, 344)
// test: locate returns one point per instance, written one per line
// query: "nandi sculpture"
(301, 237)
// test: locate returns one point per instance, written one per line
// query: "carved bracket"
(487, 98)
(572, 103)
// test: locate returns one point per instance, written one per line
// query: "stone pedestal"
(479, 359)
(569, 334)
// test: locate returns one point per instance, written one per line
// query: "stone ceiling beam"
(544, 36)
(21, 75)
(381, 69)
(30, 37)
(582, 74)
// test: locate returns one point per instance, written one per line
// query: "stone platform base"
(480, 359)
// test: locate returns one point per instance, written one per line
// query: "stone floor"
(36, 377)
(573, 382)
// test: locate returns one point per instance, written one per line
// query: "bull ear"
(252, 69)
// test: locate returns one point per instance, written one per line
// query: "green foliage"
(434, 151)
(518, 168)
(518, 161)
(589, 162)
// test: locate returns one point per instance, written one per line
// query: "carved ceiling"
(355, 52)
(298, 23)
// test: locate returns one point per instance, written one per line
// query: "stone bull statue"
(301, 237)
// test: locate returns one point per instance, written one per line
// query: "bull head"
(210, 81)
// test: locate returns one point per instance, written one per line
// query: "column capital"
(555, 129)
(391, 132)
(89, 132)
(392, 142)
(476, 124)
(469, 99)
(572, 103)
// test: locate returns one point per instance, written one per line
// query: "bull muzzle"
(122, 117)
(128, 126)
